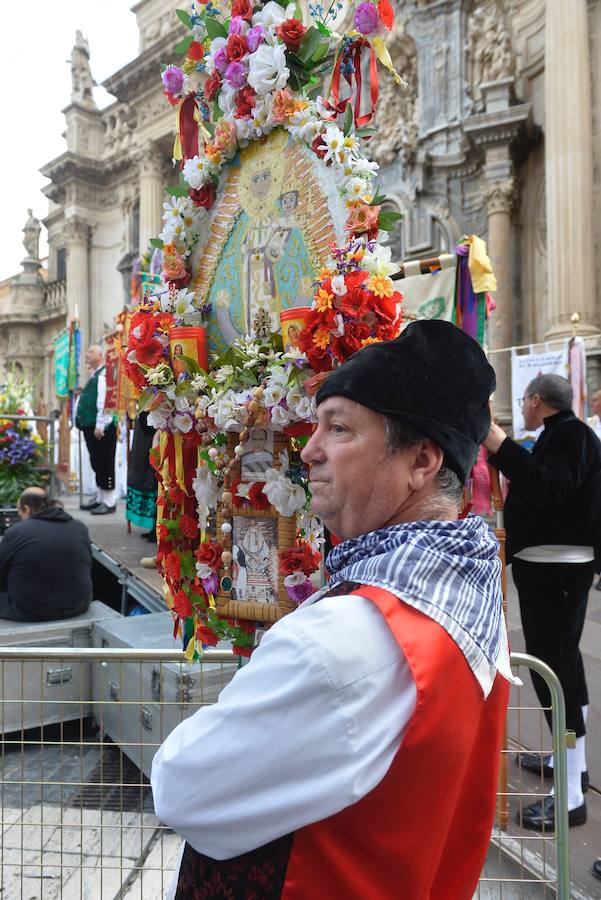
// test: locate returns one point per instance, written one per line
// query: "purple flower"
(220, 60)
(173, 79)
(254, 37)
(210, 583)
(237, 24)
(300, 592)
(366, 18)
(235, 74)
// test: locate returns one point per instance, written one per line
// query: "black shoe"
(598, 585)
(103, 510)
(88, 506)
(540, 816)
(150, 536)
(597, 868)
(537, 763)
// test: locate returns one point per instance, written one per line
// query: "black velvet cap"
(434, 378)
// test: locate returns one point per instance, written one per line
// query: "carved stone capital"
(76, 231)
(149, 160)
(500, 196)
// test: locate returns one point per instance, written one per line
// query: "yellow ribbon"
(180, 477)
(211, 600)
(384, 56)
(480, 266)
(190, 649)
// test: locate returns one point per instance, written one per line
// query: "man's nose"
(312, 450)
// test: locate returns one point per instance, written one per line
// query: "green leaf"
(145, 399)
(217, 112)
(182, 388)
(298, 13)
(348, 119)
(215, 29)
(378, 198)
(323, 29)
(156, 243)
(191, 365)
(183, 45)
(320, 52)
(365, 131)
(309, 44)
(183, 16)
(387, 220)
(177, 191)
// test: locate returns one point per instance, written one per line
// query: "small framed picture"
(258, 454)
(256, 589)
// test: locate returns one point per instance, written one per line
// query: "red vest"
(423, 832)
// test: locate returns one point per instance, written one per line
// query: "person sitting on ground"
(45, 562)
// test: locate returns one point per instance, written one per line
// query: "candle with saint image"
(293, 322)
(189, 342)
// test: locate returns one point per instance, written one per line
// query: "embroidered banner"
(61, 364)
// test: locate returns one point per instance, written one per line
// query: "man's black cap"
(434, 378)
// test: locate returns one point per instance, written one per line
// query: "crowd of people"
(335, 763)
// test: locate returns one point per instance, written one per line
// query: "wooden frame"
(285, 532)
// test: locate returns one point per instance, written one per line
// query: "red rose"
(291, 561)
(351, 341)
(209, 553)
(243, 8)
(195, 51)
(188, 526)
(291, 32)
(171, 566)
(236, 48)
(241, 651)
(318, 147)
(204, 196)
(212, 86)
(182, 605)
(245, 100)
(206, 635)
(257, 497)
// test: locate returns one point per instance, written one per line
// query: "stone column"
(499, 198)
(569, 168)
(77, 235)
(151, 194)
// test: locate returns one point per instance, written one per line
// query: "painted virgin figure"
(264, 264)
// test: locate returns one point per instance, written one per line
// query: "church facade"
(498, 133)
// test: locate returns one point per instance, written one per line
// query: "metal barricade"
(79, 729)
(522, 864)
(77, 819)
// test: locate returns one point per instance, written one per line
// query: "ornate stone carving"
(397, 118)
(81, 74)
(76, 231)
(488, 51)
(31, 239)
(149, 160)
(500, 196)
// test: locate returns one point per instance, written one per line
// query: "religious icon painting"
(270, 233)
(254, 588)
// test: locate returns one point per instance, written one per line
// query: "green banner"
(61, 364)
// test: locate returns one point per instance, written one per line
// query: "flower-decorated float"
(274, 271)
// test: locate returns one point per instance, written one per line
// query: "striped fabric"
(450, 571)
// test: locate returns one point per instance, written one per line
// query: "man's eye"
(338, 429)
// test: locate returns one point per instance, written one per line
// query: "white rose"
(183, 422)
(280, 417)
(286, 497)
(227, 100)
(273, 14)
(305, 409)
(294, 396)
(268, 71)
(274, 392)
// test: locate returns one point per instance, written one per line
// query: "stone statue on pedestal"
(31, 239)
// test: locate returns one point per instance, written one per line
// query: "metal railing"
(79, 729)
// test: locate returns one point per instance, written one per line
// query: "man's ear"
(425, 464)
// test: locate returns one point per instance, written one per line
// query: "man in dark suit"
(550, 514)
(100, 434)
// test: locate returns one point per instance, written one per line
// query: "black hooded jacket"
(46, 567)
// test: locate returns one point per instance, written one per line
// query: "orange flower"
(321, 338)
(284, 105)
(323, 300)
(325, 273)
(381, 286)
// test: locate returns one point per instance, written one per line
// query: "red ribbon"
(188, 128)
(338, 106)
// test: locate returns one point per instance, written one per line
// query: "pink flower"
(173, 79)
(254, 37)
(220, 60)
(366, 18)
(236, 74)
(237, 25)
(300, 592)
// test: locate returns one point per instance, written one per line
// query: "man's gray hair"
(554, 390)
(400, 436)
